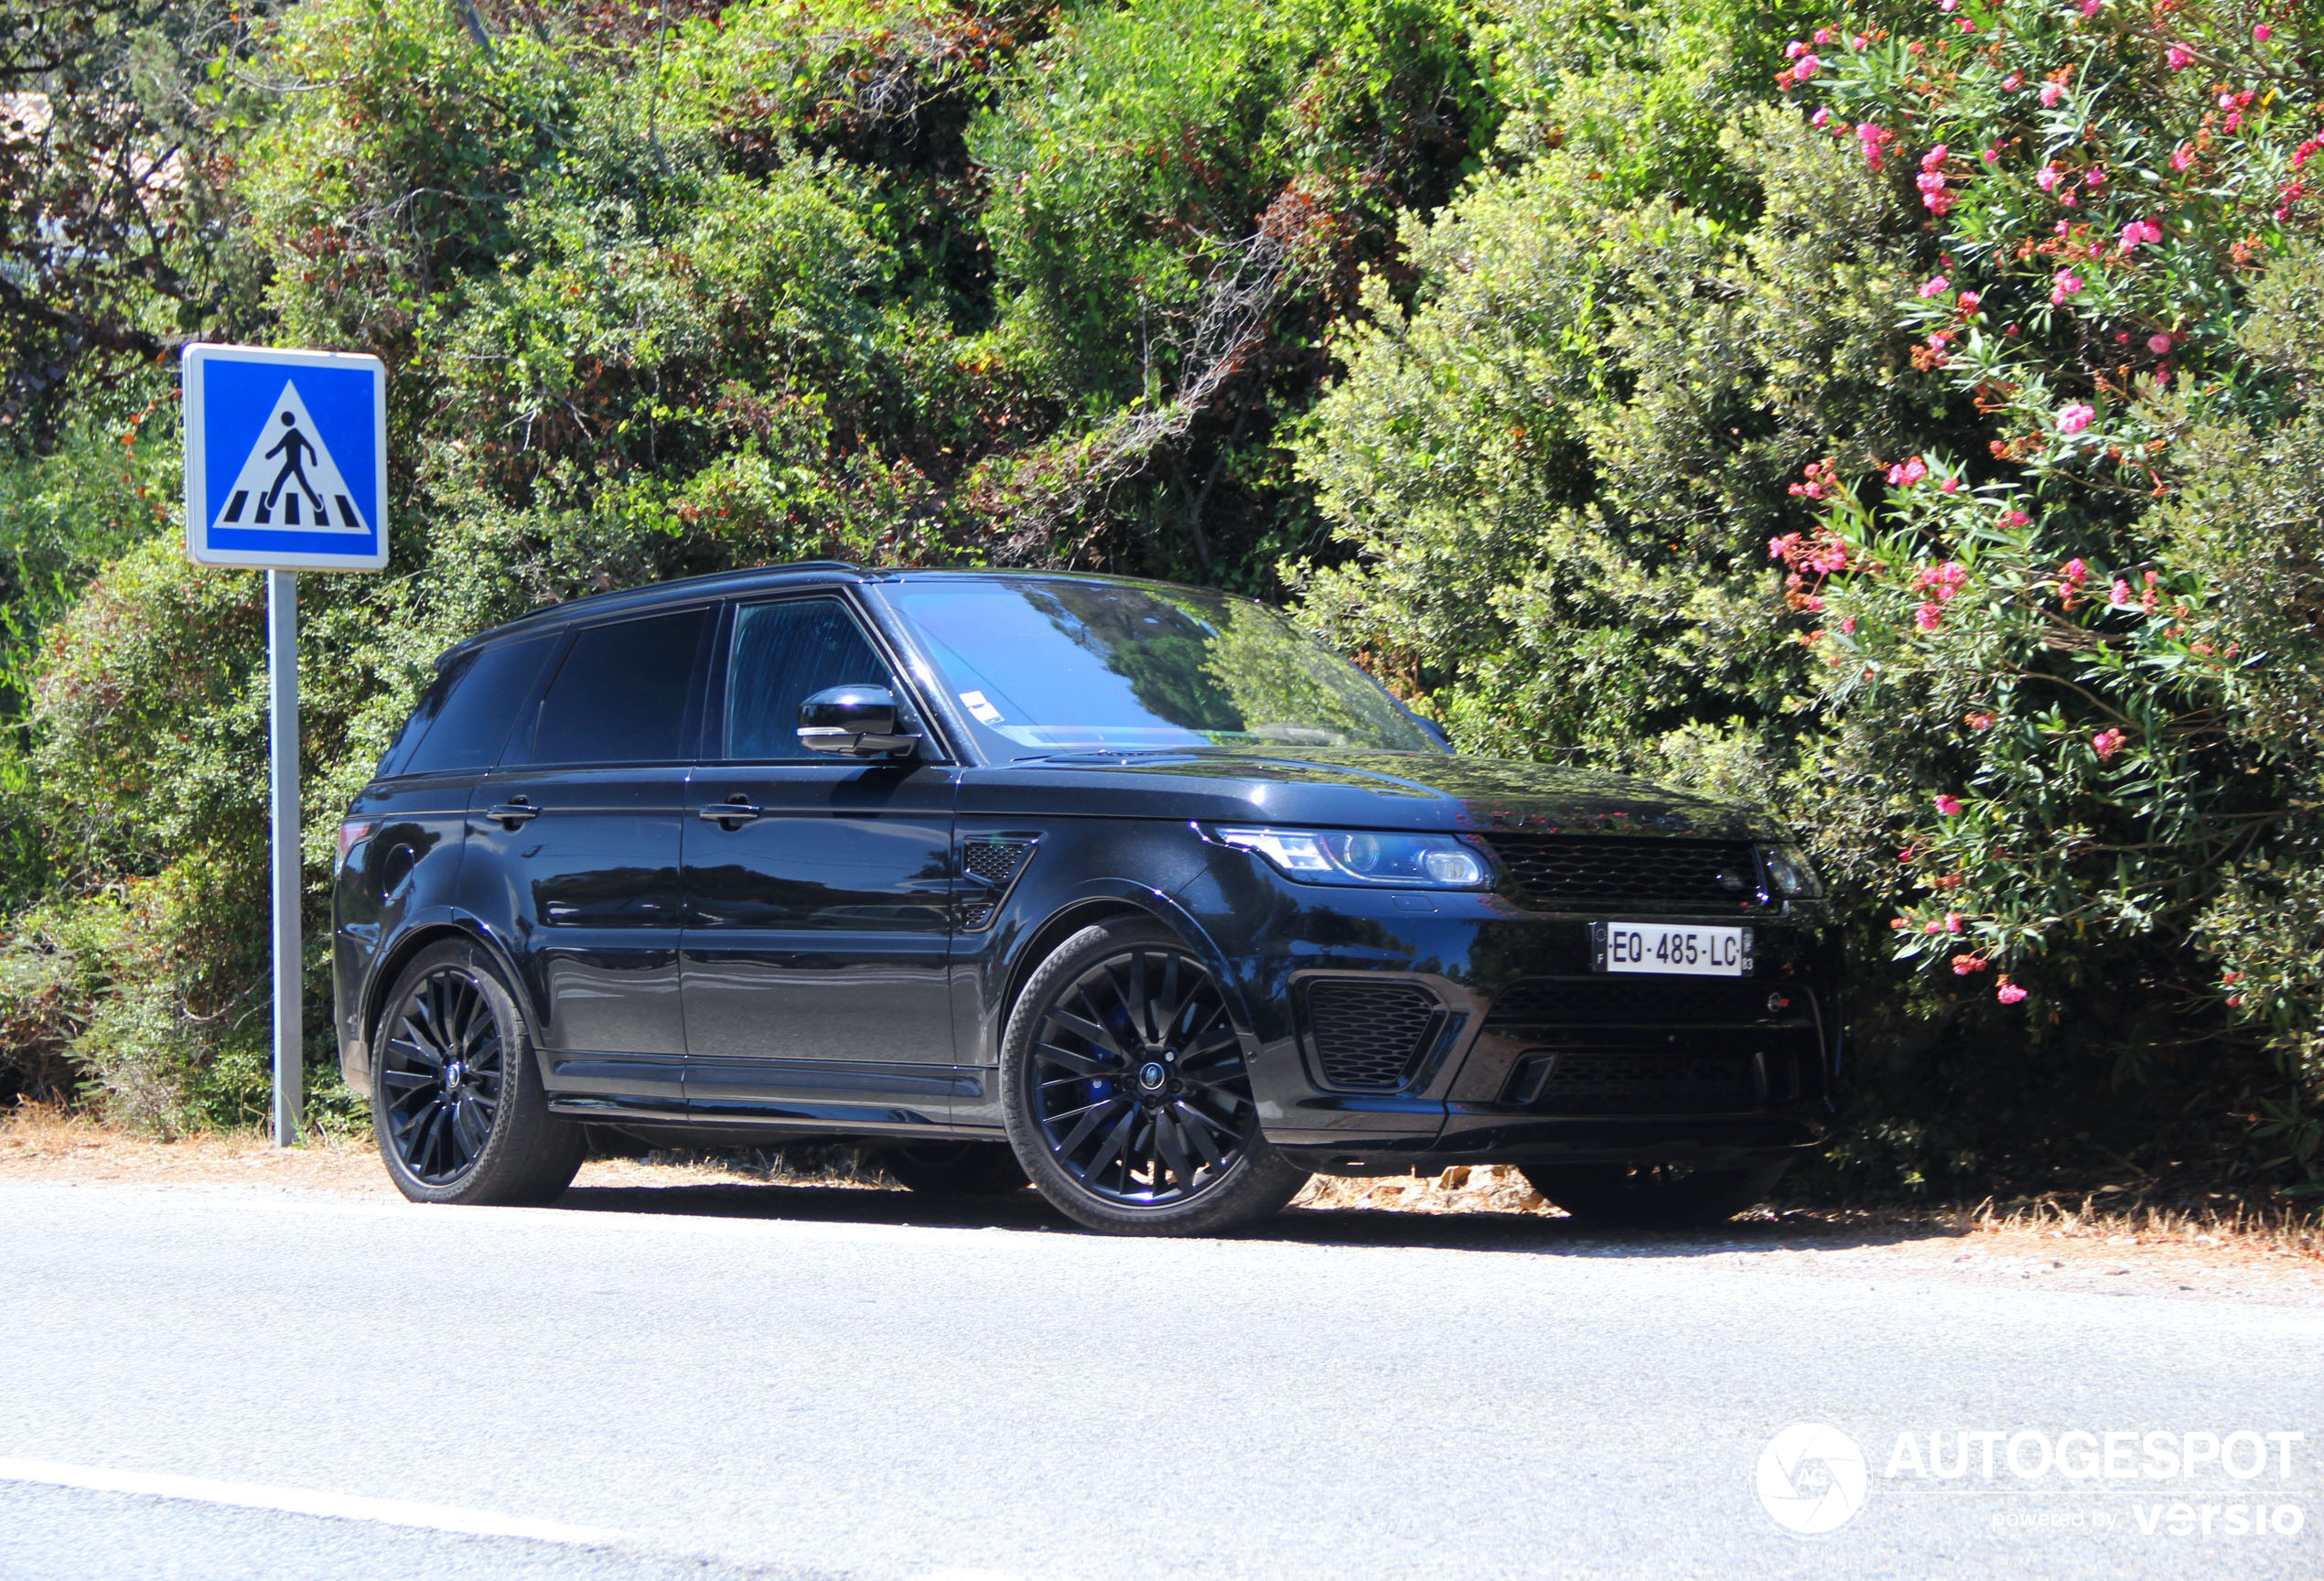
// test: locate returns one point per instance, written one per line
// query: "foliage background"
(1623, 382)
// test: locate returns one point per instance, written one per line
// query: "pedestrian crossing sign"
(285, 458)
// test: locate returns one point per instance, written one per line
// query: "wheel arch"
(1111, 902)
(402, 953)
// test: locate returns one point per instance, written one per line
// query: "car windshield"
(1046, 666)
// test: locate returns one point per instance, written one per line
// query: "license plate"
(1672, 948)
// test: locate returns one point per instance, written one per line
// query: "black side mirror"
(857, 721)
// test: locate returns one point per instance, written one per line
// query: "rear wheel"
(956, 1168)
(1647, 1196)
(457, 1101)
(1127, 1099)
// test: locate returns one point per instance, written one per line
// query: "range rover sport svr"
(1127, 889)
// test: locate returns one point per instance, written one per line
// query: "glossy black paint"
(825, 965)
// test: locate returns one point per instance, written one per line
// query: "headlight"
(1341, 856)
(1787, 871)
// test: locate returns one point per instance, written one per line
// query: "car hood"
(1357, 788)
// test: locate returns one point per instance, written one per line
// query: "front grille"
(1557, 873)
(988, 867)
(1637, 1081)
(1370, 1036)
(1644, 1001)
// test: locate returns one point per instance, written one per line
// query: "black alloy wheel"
(456, 1101)
(441, 1073)
(1130, 1103)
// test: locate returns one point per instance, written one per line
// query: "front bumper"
(1401, 1033)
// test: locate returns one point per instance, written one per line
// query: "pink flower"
(1928, 617)
(1948, 5)
(2158, 344)
(1847, 625)
(2096, 178)
(1963, 965)
(2180, 56)
(2263, 33)
(1968, 301)
(2181, 158)
(2010, 993)
(1954, 921)
(1794, 49)
(2107, 742)
(2076, 417)
(1952, 485)
(1822, 118)
(1934, 158)
(2090, 7)
(1859, 42)
(2051, 93)
(2138, 232)
(1822, 35)
(1935, 285)
(1980, 720)
(2011, 84)
(2046, 177)
(2121, 597)
(1805, 69)
(2073, 573)
(1914, 470)
(2066, 283)
(1948, 806)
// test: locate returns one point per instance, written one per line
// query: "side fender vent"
(989, 869)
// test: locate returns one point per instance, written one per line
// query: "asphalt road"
(712, 1391)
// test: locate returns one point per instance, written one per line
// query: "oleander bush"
(1904, 415)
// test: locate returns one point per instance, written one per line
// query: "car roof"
(797, 574)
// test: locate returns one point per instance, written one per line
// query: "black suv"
(1125, 888)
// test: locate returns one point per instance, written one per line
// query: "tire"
(1645, 1197)
(1127, 1096)
(483, 1134)
(956, 1168)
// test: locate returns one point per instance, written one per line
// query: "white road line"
(305, 1501)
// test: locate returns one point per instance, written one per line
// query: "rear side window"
(465, 717)
(781, 655)
(620, 694)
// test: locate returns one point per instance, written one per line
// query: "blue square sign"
(285, 458)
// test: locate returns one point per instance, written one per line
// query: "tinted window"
(466, 716)
(782, 655)
(620, 694)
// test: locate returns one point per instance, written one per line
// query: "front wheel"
(456, 1101)
(1127, 1099)
(1651, 1196)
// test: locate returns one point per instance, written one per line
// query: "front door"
(818, 896)
(574, 839)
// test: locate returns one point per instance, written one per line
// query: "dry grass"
(2079, 1241)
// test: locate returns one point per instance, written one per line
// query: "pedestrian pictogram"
(285, 458)
(292, 482)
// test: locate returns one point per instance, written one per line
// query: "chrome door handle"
(509, 814)
(729, 814)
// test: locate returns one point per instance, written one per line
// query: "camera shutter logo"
(1811, 1477)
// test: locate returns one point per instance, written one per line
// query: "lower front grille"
(1645, 1000)
(1370, 1036)
(1635, 1081)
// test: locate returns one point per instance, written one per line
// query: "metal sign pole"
(282, 734)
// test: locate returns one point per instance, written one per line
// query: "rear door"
(573, 846)
(818, 893)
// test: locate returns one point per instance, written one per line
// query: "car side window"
(782, 655)
(620, 694)
(466, 716)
